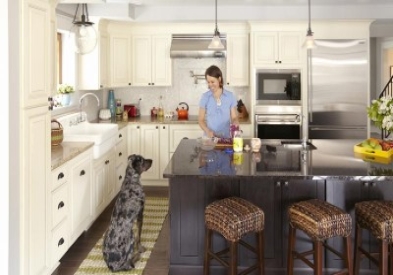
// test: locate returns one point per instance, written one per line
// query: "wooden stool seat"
(233, 218)
(377, 218)
(320, 220)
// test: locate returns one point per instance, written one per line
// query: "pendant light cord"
(309, 16)
(216, 30)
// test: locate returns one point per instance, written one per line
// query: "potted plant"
(381, 113)
(65, 90)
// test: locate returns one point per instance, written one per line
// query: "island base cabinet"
(190, 196)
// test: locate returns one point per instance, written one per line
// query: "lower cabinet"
(103, 181)
(151, 141)
(70, 203)
(121, 158)
(274, 196)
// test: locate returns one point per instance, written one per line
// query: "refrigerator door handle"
(335, 128)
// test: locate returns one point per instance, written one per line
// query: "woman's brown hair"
(215, 72)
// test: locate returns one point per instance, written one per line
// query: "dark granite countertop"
(330, 159)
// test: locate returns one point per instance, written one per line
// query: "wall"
(183, 89)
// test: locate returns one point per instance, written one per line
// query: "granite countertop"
(330, 159)
(67, 151)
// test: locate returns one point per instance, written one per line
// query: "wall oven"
(278, 122)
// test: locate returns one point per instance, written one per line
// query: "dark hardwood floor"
(159, 259)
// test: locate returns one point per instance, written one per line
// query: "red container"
(132, 110)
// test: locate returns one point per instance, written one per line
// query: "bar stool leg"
(261, 256)
(233, 258)
(358, 244)
(208, 238)
(291, 247)
(383, 261)
(348, 249)
(317, 258)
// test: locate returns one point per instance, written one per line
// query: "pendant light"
(85, 33)
(216, 41)
(309, 43)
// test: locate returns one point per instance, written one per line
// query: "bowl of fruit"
(375, 147)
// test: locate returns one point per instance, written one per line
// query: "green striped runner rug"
(156, 209)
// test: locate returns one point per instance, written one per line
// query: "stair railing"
(387, 91)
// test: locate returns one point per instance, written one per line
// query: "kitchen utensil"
(207, 143)
(105, 114)
(182, 113)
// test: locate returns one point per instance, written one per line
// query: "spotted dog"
(122, 247)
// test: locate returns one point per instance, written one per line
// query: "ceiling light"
(216, 41)
(309, 43)
(85, 33)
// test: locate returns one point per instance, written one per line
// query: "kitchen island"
(272, 178)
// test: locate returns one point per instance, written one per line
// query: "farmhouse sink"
(76, 128)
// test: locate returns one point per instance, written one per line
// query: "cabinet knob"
(120, 136)
(365, 183)
(120, 177)
(61, 241)
(120, 154)
(107, 161)
(163, 127)
(286, 183)
(60, 205)
(276, 62)
(129, 84)
(152, 84)
(156, 127)
(373, 184)
(60, 176)
(279, 61)
(137, 127)
(82, 173)
(278, 184)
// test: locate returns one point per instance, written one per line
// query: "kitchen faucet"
(81, 119)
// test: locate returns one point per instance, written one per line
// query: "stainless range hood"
(195, 46)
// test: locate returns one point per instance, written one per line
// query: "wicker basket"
(57, 133)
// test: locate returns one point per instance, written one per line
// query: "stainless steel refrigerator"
(338, 97)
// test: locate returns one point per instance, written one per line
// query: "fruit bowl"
(206, 143)
(375, 147)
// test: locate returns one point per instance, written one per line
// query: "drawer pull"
(82, 173)
(120, 136)
(107, 161)
(61, 205)
(120, 154)
(60, 176)
(120, 177)
(61, 241)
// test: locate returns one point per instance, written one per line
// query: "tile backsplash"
(185, 87)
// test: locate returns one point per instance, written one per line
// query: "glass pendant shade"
(309, 42)
(216, 41)
(85, 33)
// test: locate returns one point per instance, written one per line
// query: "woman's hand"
(210, 134)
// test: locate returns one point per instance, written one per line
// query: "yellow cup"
(238, 144)
(238, 158)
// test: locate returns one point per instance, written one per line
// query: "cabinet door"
(290, 45)
(81, 196)
(161, 66)
(110, 171)
(150, 147)
(103, 61)
(164, 149)
(35, 191)
(142, 60)
(36, 46)
(178, 132)
(265, 48)
(134, 139)
(237, 60)
(120, 59)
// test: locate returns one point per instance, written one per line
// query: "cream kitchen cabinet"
(121, 157)
(276, 47)
(93, 67)
(238, 57)
(179, 131)
(103, 181)
(33, 214)
(81, 209)
(150, 141)
(152, 65)
(120, 52)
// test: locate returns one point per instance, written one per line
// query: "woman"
(217, 107)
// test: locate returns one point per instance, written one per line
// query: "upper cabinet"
(238, 59)
(151, 61)
(93, 67)
(277, 47)
(120, 52)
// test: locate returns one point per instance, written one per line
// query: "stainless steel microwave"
(281, 84)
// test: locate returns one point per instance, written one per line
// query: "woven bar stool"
(377, 218)
(320, 220)
(233, 218)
